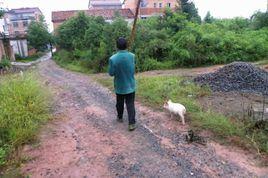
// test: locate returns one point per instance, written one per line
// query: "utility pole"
(133, 31)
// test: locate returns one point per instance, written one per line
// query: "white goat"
(177, 109)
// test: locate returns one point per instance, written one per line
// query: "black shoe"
(119, 119)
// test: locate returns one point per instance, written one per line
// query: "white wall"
(20, 47)
(3, 27)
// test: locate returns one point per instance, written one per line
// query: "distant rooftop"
(104, 3)
(25, 10)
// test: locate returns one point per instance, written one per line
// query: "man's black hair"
(121, 43)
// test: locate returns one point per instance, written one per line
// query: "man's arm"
(111, 68)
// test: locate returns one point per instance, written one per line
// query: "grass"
(29, 58)
(262, 62)
(24, 107)
(75, 66)
(153, 91)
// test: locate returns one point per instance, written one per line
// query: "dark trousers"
(129, 99)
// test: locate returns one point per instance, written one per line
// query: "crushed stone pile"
(237, 76)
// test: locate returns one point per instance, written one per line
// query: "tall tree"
(70, 35)
(2, 13)
(38, 35)
(259, 20)
(188, 7)
(208, 18)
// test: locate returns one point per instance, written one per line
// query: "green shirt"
(122, 67)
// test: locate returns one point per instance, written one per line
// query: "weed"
(5, 63)
(29, 58)
(63, 59)
(24, 107)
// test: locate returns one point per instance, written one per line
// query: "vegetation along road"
(86, 141)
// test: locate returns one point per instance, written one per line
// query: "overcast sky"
(218, 8)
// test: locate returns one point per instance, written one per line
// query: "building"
(18, 21)
(107, 9)
(105, 4)
(6, 49)
(152, 4)
(151, 7)
(4, 26)
(58, 17)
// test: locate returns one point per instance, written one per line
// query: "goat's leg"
(182, 119)
(171, 115)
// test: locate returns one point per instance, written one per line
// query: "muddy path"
(86, 141)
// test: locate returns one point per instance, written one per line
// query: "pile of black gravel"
(237, 76)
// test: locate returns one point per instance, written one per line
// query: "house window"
(17, 33)
(25, 23)
(155, 5)
(169, 4)
(160, 5)
(15, 24)
(143, 3)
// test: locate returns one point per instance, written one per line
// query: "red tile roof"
(108, 14)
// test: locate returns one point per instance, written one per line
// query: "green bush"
(24, 106)
(33, 57)
(3, 155)
(5, 63)
(259, 20)
(166, 38)
(64, 55)
(152, 64)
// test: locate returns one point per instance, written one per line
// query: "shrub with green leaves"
(24, 107)
(5, 63)
(175, 38)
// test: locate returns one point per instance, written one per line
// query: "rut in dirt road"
(86, 141)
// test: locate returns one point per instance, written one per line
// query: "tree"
(70, 34)
(2, 12)
(259, 20)
(118, 28)
(94, 34)
(38, 35)
(208, 18)
(189, 8)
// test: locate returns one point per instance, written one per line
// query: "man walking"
(122, 67)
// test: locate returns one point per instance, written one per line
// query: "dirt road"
(85, 140)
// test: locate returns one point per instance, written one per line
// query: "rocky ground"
(84, 140)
